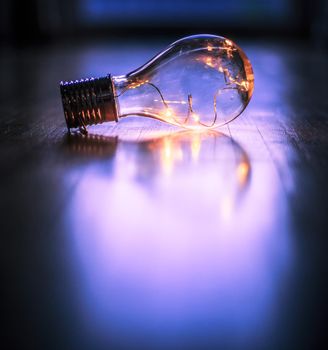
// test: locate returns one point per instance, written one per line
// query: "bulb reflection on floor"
(175, 245)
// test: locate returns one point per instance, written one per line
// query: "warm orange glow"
(195, 146)
(171, 152)
(167, 149)
(195, 117)
(167, 156)
(242, 172)
(137, 84)
(168, 113)
(209, 62)
(228, 42)
(209, 47)
(228, 46)
(245, 85)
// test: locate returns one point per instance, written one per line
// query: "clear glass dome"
(198, 81)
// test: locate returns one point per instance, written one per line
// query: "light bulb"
(201, 81)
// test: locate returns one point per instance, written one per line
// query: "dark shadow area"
(33, 22)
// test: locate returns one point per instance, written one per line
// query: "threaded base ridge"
(88, 101)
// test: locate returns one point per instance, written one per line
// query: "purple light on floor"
(184, 247)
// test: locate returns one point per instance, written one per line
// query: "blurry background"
(40, 21)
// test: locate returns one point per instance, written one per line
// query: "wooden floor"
(145, 236)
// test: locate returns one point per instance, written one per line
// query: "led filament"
(202, 81)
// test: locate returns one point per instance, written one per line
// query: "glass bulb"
(201, 81)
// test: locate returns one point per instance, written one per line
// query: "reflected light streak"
(172, 152)
(169, 155)
(171, 101)
(196, 143)
(243, 171)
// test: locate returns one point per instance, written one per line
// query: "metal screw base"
(88, 101)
